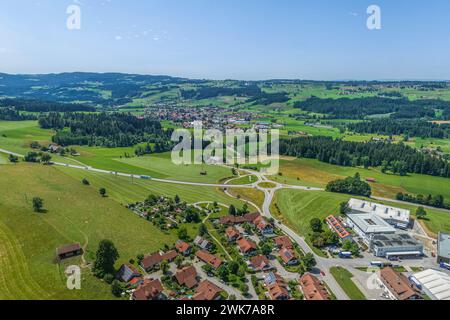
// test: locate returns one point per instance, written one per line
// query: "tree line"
(412, 128)
(437, 201)
(398, 108)
(32, 105)
(105, 129)
(368, 154)
(11, 114)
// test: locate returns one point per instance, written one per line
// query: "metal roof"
(444, 245)
(371, 223)
(435, 283)
(383, 211)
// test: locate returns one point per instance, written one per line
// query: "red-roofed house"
(187, 277)
(260, 263)
(288, 256)
(232, 234)
(264, 227)
(278, 290)
(149, 290)
(283, 242)
(184, 248)
(207, 291)
(209, 258)
(152, 261)
(247, 247)
(313, 288)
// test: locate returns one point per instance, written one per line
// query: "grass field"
(313, 173)
(75, 213)
(344, 278)
(298, 207)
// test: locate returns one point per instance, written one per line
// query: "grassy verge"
(344, 278)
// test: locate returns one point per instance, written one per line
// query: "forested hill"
(398, 158)
(105, 129)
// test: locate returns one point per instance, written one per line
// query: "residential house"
(313, 288)
(128, 272)
(149, 290)
(187, 277)
(263, 227)
(209, 258)
(397, 285)
(154, 260)
(283, 242)
(247, 247)
(288, 256)
(207, 291)
(278, 290)
(202, 243)
(232, 234)
(183, 248)
(232, 220)
(260, 263)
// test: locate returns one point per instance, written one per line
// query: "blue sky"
(219, 39)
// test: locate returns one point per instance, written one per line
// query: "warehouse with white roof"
(368, 225)
(397, 217)
(433, 283)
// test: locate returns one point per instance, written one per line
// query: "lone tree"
(85, 182)
(102, 192)
(106, 256)
(183, 234)
(421, 213)
(45, 158)
(309, 261)
(38, 204)
(177, 199)
(232, 210)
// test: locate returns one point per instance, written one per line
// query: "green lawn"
(344, 278)
(76, 213)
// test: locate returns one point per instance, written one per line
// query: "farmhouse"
(127, 272)
(209, 258)
(149, 290)
(187, 277)
(397, 285)
(207, 291)
(443, 252)
(395, 245)
(335, 224)
(69, 251)
(399, 218)
(435, 284)
(368, 225)
(312, 288)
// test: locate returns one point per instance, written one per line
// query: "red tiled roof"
(207, 291)
(287, 255)
(232, 232)
(68, 249)
(155, 258)
(187, 276)
(397, 283)
(313, 289)
(209, 258)
(283, 242)
(278, 290)
(245, 245)
(259, 262)
(149, 290)
(182, 246)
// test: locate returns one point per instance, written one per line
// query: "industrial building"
(395, 245)
(397, 217)
(368, 225)
(435, 284)
(443, 255)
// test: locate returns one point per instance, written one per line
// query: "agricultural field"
(314, 173)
